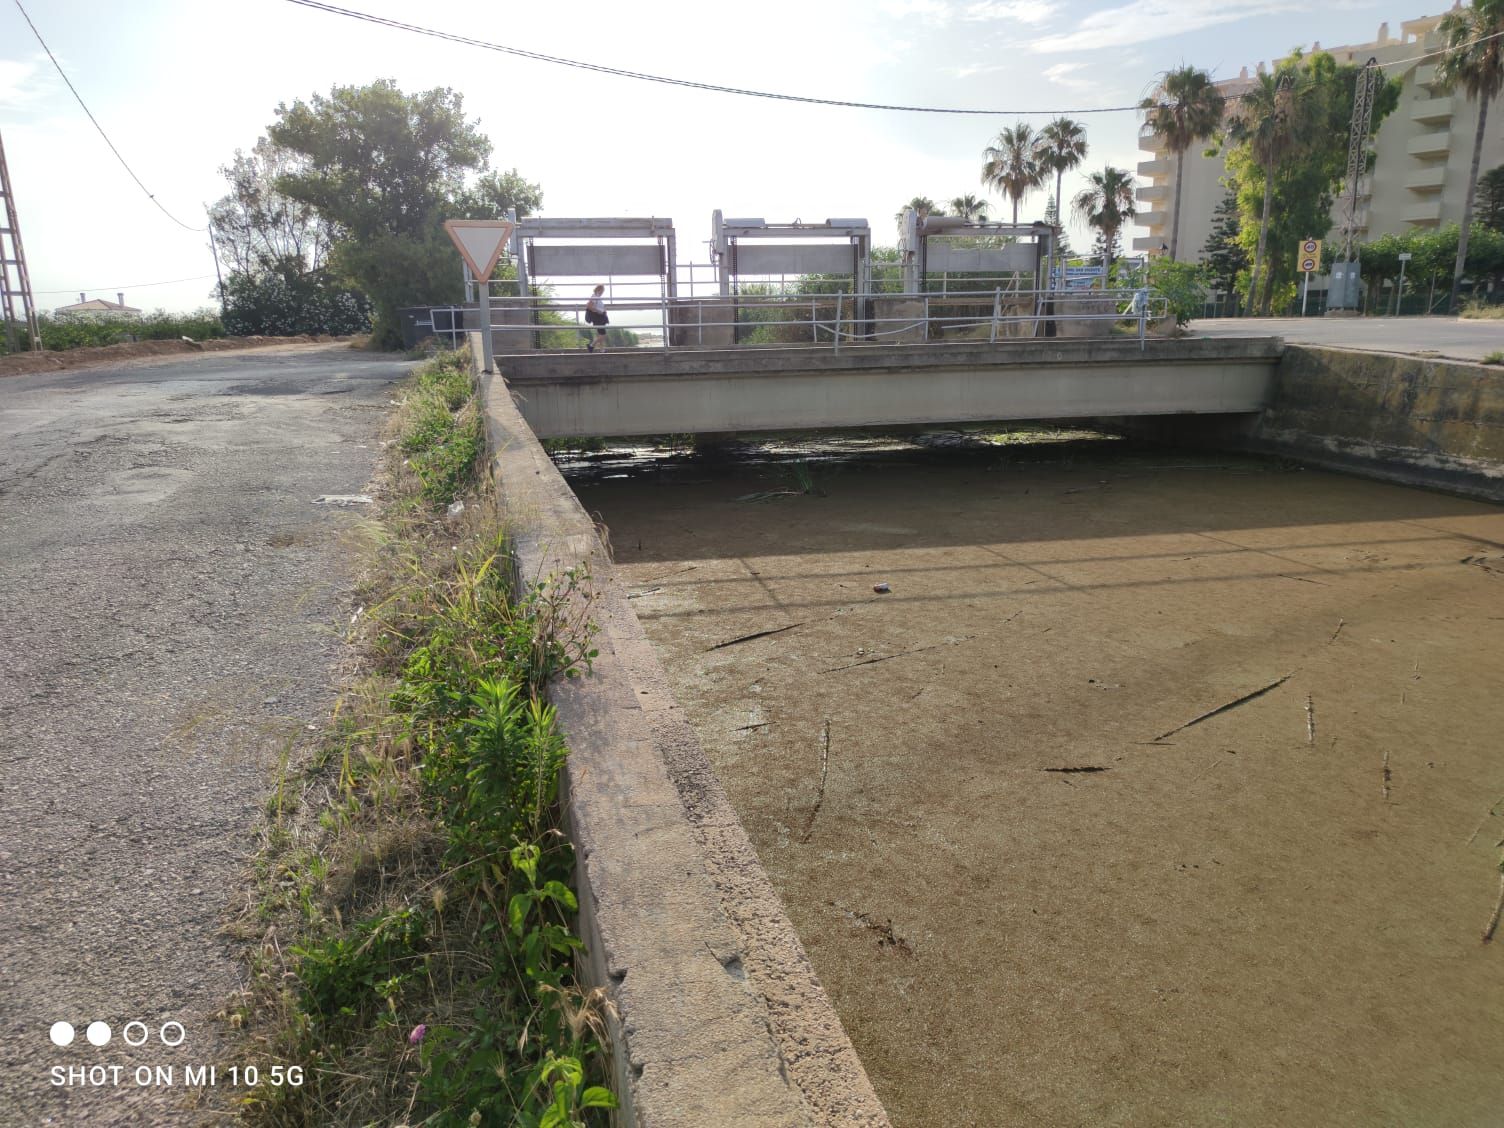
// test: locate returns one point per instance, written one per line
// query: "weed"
(442, 432)
(1478, 308)
(1495, 357)
(412, 904)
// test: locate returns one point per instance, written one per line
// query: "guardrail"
(833, 321)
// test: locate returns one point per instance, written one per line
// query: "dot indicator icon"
(61, 1033)
(98, 1033)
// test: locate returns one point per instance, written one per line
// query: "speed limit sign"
(1309, 254)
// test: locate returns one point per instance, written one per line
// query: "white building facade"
(1423, 152)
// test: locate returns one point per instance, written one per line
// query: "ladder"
(16, 307)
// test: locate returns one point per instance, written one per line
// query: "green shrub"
(1183, 285)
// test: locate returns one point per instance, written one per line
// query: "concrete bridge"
(657, 392)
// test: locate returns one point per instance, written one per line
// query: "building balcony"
(1425, 75)
(1147, 242)
(1432, 109)
(1424, 214)
(1430, 144)
(1427, 179)
(1160, 166)
(1153, 193)
(1155, 221)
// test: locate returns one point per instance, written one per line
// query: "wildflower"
(418, 1033)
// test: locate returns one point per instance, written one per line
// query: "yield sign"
(480, 242)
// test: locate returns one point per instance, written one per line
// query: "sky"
(179, 85)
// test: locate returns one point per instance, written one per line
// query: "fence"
(824, 320)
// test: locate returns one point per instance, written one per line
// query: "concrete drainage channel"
(720, 1017)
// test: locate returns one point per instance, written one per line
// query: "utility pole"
(15, 284)
(1344, 288)
(1357, 152)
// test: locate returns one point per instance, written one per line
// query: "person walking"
(595, 314)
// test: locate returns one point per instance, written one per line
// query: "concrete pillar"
(693, 323)
(891, 313)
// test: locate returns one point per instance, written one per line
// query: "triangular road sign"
(480, 242)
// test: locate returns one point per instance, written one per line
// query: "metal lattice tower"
(1357, 153)
(15, 285)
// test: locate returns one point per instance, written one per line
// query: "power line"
(149, 194)
(133, 286)
(598, 68)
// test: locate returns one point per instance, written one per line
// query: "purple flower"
(418, 1033)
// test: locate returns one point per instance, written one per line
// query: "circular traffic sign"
(1309, 246)
(1308, 264)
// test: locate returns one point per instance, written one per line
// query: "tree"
(497, 192)
(1224, 253)
(276, 250)
(1268, 123)
(1011, 166)
(1491, 199)
(1106, 204)
(1185, 108)
(1475, 61)
(923, 205)
(1304, 112)
(255, 226)
(969, 208)
(386, 169)
(1061, 147)
(1052, 217)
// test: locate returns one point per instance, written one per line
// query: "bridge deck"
(649, 391)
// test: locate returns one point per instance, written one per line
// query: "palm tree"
(921, 204)
(1474, 61)
(1185, 107)
(969, 208)
(1106, 204)
(1268, 120)
(1011, 165)
(1061, 147)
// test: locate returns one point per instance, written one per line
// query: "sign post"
(1309, 255)
(1399, 293)
(480, 243)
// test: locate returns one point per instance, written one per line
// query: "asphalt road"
(1443, 336)
(170, 603)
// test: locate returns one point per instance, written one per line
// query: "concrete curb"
(720, 1017)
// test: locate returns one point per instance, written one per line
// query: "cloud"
(1020, 11)
(941, 13)
(1061, 75)
(929, 11)
(21, 83)
(1143, 20)
(970, 69)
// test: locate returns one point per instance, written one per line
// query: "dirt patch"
(1267, 911)
(21, 364)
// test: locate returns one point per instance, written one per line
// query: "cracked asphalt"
(171, 598)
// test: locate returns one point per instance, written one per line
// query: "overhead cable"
(150, 195)
(599, 68)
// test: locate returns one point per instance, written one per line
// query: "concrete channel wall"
(1413, 420)
(1402, 418)
(719, 1017)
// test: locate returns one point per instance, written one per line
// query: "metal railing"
(833, 321)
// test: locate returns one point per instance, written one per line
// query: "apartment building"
(1423, 152)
